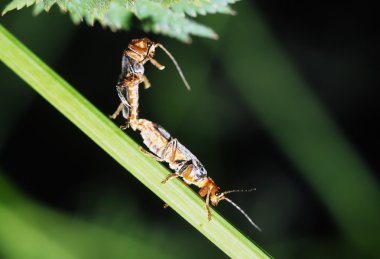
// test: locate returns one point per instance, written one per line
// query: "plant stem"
(16, 229)
(119, 146)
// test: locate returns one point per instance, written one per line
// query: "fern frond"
(165, 21)
(168, 17)
(193, 8)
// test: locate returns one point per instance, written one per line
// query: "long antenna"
(242, 212)
(249, 190)
(176, 65)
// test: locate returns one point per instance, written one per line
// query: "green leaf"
(18, 4)
(114, 14)
(168, 17)
(165, 21)
(203, 7)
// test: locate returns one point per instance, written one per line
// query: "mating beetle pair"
(162, 146)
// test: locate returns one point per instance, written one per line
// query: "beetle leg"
(207, 205)
(179, 173)
(156, 64)
(146, 82)
(170, 176)
(125, 126)
(159, 159)
(174, 143)
(117, 112)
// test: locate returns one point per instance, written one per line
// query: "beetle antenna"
(176, 65)
(242, 212)
(249, 190)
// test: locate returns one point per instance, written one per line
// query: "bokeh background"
(285, 101)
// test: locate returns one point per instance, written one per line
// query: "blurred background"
(285, 101)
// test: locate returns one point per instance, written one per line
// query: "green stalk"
(16, 229)
(123, 149)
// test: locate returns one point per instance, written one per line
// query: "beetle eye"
(149, 44)
(217, 193)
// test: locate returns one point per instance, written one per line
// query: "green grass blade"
(124, 150)
(15, 227)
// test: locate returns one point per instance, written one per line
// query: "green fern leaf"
(203, 7)
(163, 20)
(18, 4)
(168, 17)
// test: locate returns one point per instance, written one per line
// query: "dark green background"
(285, 101)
